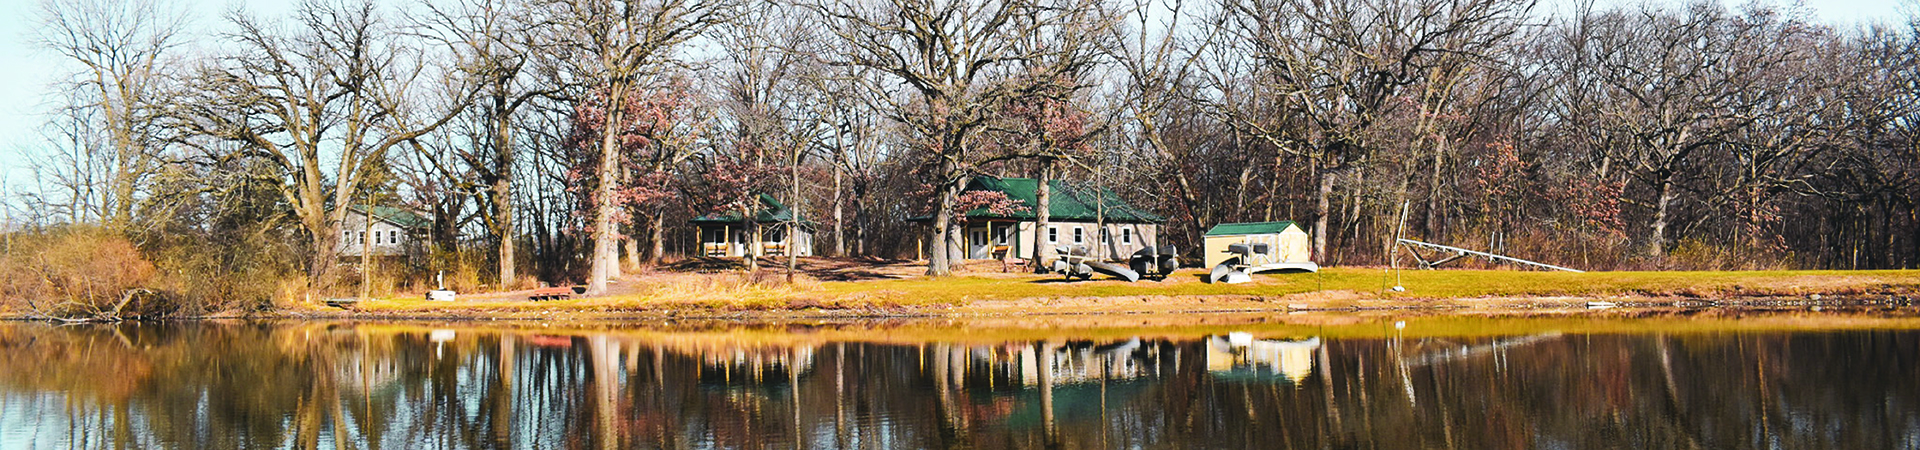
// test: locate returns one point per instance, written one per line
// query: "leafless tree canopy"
(545, 138)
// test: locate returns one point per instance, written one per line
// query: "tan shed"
(1288, 243)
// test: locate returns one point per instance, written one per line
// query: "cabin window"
(393, 237)
(1105, 237)
(362, 238)
(1001, 239)
(346, 237)
(1126, 236)
(1053, 235)
(1079, 235)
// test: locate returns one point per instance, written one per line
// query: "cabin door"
(979, 246)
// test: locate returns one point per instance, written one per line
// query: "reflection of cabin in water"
(1074, 217)
(722, 235)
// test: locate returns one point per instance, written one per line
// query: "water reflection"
(337, 385)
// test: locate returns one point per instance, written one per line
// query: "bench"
(552, 293)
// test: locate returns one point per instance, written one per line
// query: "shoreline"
(1129, 306)
(739, 296)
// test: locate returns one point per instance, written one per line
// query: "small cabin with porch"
(1095, 217)
(775, 233)
(1285, 241)
(391, 232)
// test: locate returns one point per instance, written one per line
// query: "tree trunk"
(793, 215)
(326, 251)
(859, 232)
(1198, 221)
(1321, 209)
(1042, 212)
(633, 249)
(366, 254)
(1240, 192)
(603, 245)
(937, 262)
(1431, 226)
(839, 218)
(1657, 242)
(503, 194)
(750, 237)
(656, 238)
(503, 230)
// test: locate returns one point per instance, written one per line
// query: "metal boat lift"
(1462, 253)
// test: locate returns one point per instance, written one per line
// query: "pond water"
(1248, 381)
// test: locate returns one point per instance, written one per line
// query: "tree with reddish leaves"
(652, 133)
(615, 47)
(732, 179)
(1046, 126)
(1501, 176)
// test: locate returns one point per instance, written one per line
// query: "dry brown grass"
(996, 293)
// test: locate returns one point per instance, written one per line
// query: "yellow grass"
(1332, 287)
(1430, 284)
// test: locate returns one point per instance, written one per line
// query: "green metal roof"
(397, 216)
(771, 211)
(1236, 229)
(1065, 202)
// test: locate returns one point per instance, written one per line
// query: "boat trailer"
(1413, 246)
(1252, 258)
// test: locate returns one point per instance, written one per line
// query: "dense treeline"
(547, 138)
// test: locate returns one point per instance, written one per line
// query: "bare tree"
(956, 62)
(1313, 78)
(1159, 58)
(501, 45)
(1677, 86)
(126, 51)
(322, 105)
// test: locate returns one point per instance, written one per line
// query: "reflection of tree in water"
(315, 385)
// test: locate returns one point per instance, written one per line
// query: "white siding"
(387, 238)
(1144, 235)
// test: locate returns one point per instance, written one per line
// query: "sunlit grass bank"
(1431, 284)
(1106, 328)
(1333, 288)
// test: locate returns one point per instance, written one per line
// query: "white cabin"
(392, 232)
(1097, 218)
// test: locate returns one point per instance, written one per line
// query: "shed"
(1290, 244)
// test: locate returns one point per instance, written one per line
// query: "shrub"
(79, 272)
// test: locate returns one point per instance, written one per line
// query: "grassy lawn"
(1427, 284)
(715, 292)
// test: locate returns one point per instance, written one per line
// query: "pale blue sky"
(26, 71)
